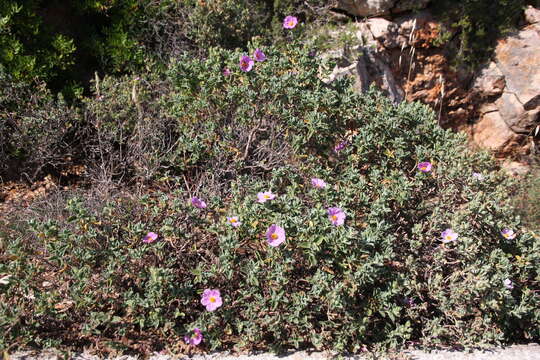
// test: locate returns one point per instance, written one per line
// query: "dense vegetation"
(178, 144)
(64, 42)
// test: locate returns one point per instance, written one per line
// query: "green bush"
(29, 52)
(64, 43)
(81, 274)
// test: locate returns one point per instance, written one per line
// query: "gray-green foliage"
(384, 277)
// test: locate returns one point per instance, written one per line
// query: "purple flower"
(407, 301)
(275, 235)
(424, 166)
(259, 55)
(195, 338)
(340, 146)
(198, 203)
(150, 238)
(508, 234)
(233, 220)
(265, 196)
(246, 63)
(508, 284)
(449, 235)
(211, 298)
(318, 183)
(336, 216)
(227, 72)
(290, 22)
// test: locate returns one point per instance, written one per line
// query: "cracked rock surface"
(511, 86)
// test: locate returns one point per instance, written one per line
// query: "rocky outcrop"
(510, 91)
(364, 60)
(366, 8)
(397, 57)
(499, 106)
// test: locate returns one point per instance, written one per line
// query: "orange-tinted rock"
(492, 132)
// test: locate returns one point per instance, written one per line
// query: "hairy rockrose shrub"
(381, 277)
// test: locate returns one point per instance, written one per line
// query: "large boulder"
(380, 7)
(492, 133)
(510, 87)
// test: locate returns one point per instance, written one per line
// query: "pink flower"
(233, 220)
(195, 338)
(508, 284)
(424, 166)
(449, 235)
(508, 234)
(246, 63)
(265, 196)
(259, 55)
(150, 238)
(336, 216)
(275, 235)
(198, 203)
(318, 183)
(290, 22)
(211, 298)
(227, 72)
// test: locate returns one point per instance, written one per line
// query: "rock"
(365, 36)
(532, 15)
(515, 115)
(518, 58)
(380, 7)
(383, 31)
(515, 168)
(490, 82)
(406, 24)
(367, 67)
(491, 132)
(487, 108)
(378, 71)
(513, 79)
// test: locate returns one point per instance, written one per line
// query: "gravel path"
(516, 352)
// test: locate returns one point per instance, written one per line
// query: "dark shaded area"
(477, 24)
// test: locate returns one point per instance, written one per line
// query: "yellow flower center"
(423, 168)
(212, 299)
(233, 220)
(291, 23)
(448, 237)
(267, 196)
(274, 236)
(334, 217)
(506, 235)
